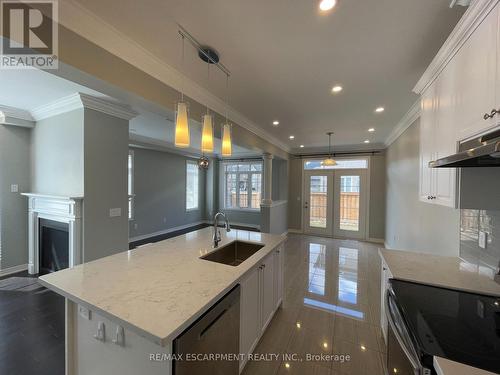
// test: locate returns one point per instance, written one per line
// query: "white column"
(268, 179)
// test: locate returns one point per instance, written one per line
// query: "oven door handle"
(409, 352)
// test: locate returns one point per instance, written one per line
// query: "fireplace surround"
(44, 208)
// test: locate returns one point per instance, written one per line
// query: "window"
(130, 184)
(192, 185)
(341, 164)
(242, 185)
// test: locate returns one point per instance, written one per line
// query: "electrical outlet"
(164, 220)
(14, 188)
(84, 312)
(115, 212)
(482, 239)
(136, 226)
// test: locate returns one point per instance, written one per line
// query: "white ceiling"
(31, 89)
(285, 56)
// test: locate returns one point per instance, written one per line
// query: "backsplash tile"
(486, 261)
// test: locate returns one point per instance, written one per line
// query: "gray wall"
(160, 193)
(14, 169)
(377, 197)
(280, 180)
(105, 185)
(295, 194)
(411, 224)
(57, 155)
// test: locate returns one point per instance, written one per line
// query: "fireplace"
(53, 245)
(55, 232)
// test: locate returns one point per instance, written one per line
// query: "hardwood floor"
(31, 332)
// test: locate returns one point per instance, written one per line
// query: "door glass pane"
(243, 187)
(318, 201)
(349, 203)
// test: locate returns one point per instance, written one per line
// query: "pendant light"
(329, 162)
(207, 133)
(181, 117)
(226, 127)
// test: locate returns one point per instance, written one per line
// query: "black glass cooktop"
(460, 326)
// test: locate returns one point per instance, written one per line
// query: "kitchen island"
(124, 311)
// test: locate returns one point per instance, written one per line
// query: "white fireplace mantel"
(58, 208)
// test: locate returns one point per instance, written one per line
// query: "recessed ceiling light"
(337, 89)
(371, 130)
(292, 137)
(276, 123)
(380, 109)
(325, 5)
(298, 324)
(325, 345)
(301, 146)
(287, 365)
(367, 141)
(363, 348)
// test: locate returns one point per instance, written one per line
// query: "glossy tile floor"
(331, 306)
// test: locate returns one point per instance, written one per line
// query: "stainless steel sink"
(234, 253)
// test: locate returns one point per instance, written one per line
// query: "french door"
(349, 203)
(335, 202)
(318, 202)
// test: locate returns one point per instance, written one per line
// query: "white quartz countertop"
(446, 367)
(450, 272)
(160, 289)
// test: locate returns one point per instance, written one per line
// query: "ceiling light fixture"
(210, 56)
(329, 162)
(337, 89)
(181, 117)
(207, 132)
(380, 109)
(371, 130)
(367, 141)
(301, 146)
(276, 123)
(292, 137)
(227, 148)
(325, 5)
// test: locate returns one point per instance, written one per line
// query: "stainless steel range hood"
(483, 151)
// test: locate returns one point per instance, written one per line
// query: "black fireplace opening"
(53, 246)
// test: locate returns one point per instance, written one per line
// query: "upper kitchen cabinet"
(460, 97)
(437, 186)
(476, 79)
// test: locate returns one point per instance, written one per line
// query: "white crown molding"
(471, 19)
(79, 100)
(403, 124)
(87, 24)
(16, 117)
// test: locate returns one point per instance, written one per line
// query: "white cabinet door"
(278, 275)
(444, 180)
(427, 121)
(268, 304)
(250, 311)
(476, 67)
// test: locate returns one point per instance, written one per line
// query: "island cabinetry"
(97, 345)
(261, 295)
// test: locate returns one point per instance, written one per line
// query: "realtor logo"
(30, 34)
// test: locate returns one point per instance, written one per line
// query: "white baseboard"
(297, 231)
(376, 240)
(11, 270)
(165, 231)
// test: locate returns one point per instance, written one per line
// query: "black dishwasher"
(210, 345)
